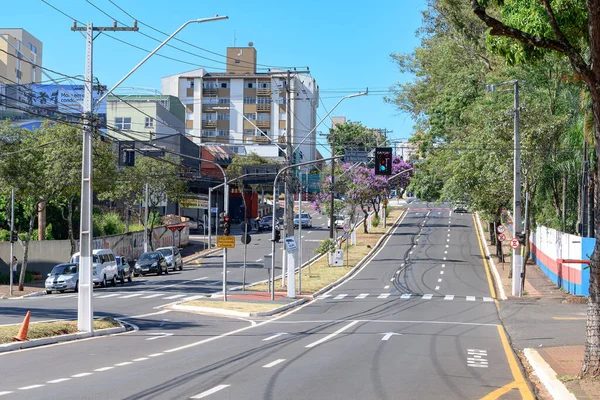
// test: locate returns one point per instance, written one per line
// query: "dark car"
(152, 262)
(124, 271)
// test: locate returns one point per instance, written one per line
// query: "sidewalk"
(28, 289)
(545, 326)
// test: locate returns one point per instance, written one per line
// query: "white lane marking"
(470, 298)
(123, 363)
(274, 363)
(427, 296)
(448, 229)
(449, 297)
(447, 246)
(145, 315)
(442, 272)
(362, 296)
(30, 387)
(402, 265)
(108, 295)
(397, 272)
(103, 369)
(179, 284)
(156, 354)
(386, 287)
(405, 296)
(132, 295)
(81, 375)
(410, 252)
(209, 392)
(340, 296)
(443, 265)
(259, 260)
(152, 295)
(174, 297)
(388, 335)
(447, 240)
(211, 283)
(445, 252)
(192, 298)
(445, 257)
(140, 359)
(439, 280)
(450, 215)
(158, 335)
(5, 392)
(392, 279)
(437, 288)
(383, 296)
(323, 296)
(342, 329)
(274, 336)
(59, 380)
(488, 299)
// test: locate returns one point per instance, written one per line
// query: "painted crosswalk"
(403, 296)
(129, 295)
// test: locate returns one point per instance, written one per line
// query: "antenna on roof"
(234, 38)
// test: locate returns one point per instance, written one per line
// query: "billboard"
(29, 105)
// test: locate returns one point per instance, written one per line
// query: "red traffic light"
(226, 219)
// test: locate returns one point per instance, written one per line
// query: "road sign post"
(501, 237)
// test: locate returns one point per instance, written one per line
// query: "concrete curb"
(34, 294)
(360, 263)
(547, 376)
(59, 339)
(240, 314)
(490, 260)
(195, 257)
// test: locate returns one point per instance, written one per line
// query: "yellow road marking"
(519, 382)
(485, 263)
(500, 391)
(569, 318)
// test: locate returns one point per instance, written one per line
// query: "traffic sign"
(514, 243)
(355, 156)
(500, 228)
(246, 239)
(501, 237)
(226, 242)
(346, 228)
(290, 244)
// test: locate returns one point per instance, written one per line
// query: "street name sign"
(355, 156)
(226, 242)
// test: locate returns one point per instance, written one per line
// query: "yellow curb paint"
(569, 318)
(500, 391)
(520, 382)
(485, 263)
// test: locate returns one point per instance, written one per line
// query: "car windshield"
(166, 252)
(149, 256)
(64, 269)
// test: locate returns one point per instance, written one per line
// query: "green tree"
(354, 135)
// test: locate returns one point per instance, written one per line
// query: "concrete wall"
(43, 255)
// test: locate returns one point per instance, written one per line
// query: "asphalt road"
(417, 322)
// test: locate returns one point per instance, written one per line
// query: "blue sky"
(346, 44)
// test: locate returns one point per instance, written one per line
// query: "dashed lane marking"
(470, 298)
(59, 380)
(209, 392)
(383, 296)
(362, 296)
(152, 295)
(427, 296)
(81, 375)
(340, 296)
(274, 363)
(449, 297)
(405, 296)
(30, 387)
(103, 369)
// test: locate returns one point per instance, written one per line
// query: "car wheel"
(61, 291)
(114, 280)
(159, 270)
(104, 283)
(48, 291)
(122, 278)
(129, 279)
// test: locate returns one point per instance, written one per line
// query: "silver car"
(63, 277)
(173, 257)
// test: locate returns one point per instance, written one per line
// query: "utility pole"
(517, 258)
(287, 213)
(12, 243)
(146, 199)
(331, 220)
(85, 308)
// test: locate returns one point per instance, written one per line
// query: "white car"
(63, 277)
(104, 266)
(173, 257)
(339, 221)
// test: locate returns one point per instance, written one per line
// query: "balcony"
(209, 92)
(263, 123)
(211, 123)
(208, 107)
(263, 92)
(263, 107)
(261, 139)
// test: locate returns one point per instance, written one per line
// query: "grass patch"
(320, 274)
(38, 330)
(233, 305)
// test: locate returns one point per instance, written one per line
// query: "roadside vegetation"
(38, 330)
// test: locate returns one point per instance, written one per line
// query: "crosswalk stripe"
(362, 296)
(153, 295)
(427, 296)
(340, 296)
(108, 295)
(449, 297)
(383, 296)
(488, 299)
(470, 298)
(324, 296)
(405, 296)
(174, 297)
(131, 295)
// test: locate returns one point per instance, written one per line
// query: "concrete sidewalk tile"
(564, 360)
(547, 375)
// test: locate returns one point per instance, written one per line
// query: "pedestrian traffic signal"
(383, 161)
(14, 237)
(226, 225)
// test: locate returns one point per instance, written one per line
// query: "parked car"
(104, 266)
(460, 208)
(173, 257)
(267, 222)
(151, 262)
(339, 221)
(63, 277)
(304, 219)
(123, 269)
(196, 225)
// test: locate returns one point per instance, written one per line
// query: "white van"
(104, 266)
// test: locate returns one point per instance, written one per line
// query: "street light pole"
(517, 258)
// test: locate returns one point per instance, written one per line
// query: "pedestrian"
(14, 265)
(258, 224)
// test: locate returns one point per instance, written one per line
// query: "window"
(123, 124)
(282, 100)
(149, 122)
(249, 84)
(248, 132)
(209, 85)
(209, 117)
(264, 85)
(223, 116)
(209, 132)
(237, 61)
(223, 100)
(18, 73)
(249, 100)
(222, 132)
(32, 48)
(264, 117)
(263, 100)
(250, 116)
(209, 100)
(224, 85)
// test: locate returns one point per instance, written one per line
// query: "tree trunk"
(365, 228)
(70, 223)
(564, 202)
(32, 218)
(591, 205)
(126, 219)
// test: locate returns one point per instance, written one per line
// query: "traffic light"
(277, 236)
(521, 237)
(226, 225)
(222, 220)
(14, 237)
(383, 161)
